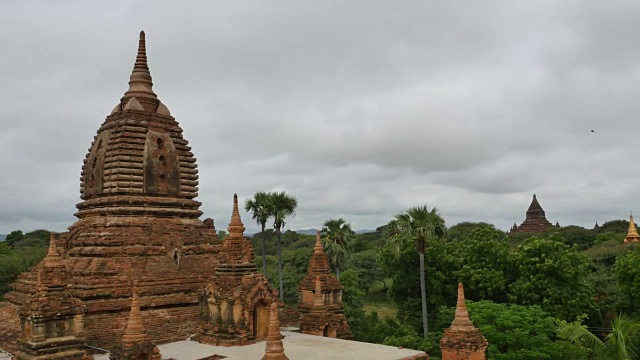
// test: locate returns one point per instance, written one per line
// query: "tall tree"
(282, 206)
(337, 239)
(260, 208)
(417, 225)
(622, 343)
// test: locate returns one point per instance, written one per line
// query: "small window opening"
(160, 143)
(161, 160)
(176, 257)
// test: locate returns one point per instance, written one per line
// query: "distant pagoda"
(632, 234)
(535, 221)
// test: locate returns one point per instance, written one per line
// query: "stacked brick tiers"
(462, 341)
(535, 221)
(234, 308)
(320, 299)
(136, 344)
(138, 219)
(274, 348)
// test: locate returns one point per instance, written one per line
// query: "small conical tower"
(557, 225)
(320, 298)
(462, 341)
(596, 227)
(274, 349)
(632, 234)
(136, 344)
(237, 255)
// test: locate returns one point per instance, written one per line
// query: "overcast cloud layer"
(361, 109)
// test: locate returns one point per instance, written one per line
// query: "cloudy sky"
(361, 109)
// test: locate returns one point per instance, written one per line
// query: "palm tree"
(418, 225)
(622, 343)
(282, 206)
(260, 208)
(337, 237)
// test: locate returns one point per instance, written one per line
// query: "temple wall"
(163, 325)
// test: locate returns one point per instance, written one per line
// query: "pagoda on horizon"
(535, 221)
(632, 234)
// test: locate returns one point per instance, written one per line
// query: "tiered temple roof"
(274, 349)
(138, 216)
(535, 221)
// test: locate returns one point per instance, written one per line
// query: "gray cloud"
(360, 109)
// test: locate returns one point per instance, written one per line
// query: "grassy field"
(376, 300)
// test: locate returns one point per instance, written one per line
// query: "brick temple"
(535, 221)
(141, 276)
(138, 220)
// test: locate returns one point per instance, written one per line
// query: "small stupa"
(274, 350)
(632, 234)
(462, 341)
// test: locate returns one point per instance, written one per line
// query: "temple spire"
(134, 332)
(52, 258)
(236, 227)
(140, 82)
(461, 321)
(632, 234)
(318, 248)
(319, 263)
(462, 340)
(274, 349)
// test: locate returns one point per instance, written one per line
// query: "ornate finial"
(140, 82)
(274, 349)
(134, 331)
(52, 257)
(461, 321)
(534, 196)
(236, 227)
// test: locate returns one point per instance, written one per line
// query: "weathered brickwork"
(234, 304)
(136, 343)
(137, 220)
(462, 341)
(51, 321)
(274, 348)
(320, 299)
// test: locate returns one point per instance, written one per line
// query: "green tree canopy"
(554, 276)
(337, 240)
(461, 231)
(260, 208)
(417, 226)
(487, 266)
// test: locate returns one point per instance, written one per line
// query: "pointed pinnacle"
(140, 82)
(318, 248)
(236, 227)
(52, 258)
(461, 321)
(134, 331)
